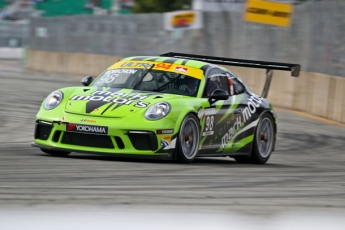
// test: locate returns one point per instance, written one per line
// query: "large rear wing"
(269, 66)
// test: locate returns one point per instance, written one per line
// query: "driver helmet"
(192, 85)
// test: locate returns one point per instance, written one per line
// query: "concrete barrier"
(69, 63)
(7, 53)
(317, 94)
(336, 106)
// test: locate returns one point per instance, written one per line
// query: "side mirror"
(217, 95)
(87, 80)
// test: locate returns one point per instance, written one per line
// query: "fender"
(274, 127)
(182, 115)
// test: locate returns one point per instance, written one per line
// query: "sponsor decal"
(165, 131)
(222, 130)
(172, 143)
(87, 128)
(136, 64)
(165, 140)
(268, 12)
(253, 103)
(164, 143)
(181, 69)
(231, 132)
(208, 133)
(130, 66)
(88, 120)
(114, 97)
(127, 71)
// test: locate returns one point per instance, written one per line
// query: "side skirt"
(223, 154)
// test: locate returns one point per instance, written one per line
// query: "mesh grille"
(144, 141)
(89, 140)
(42, 131)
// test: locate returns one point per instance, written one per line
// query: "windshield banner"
(179, 69)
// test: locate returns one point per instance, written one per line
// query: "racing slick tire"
(55, 153)
(263, 143)
(188, 139)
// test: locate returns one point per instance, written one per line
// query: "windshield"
(154, 80)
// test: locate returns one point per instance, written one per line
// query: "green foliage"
(68, 7)
(159, 6)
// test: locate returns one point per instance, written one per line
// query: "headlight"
(53, 100)
(157, 111)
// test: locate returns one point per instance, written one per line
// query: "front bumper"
(168, 156)
(122, 137)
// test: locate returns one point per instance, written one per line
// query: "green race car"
(176, 106)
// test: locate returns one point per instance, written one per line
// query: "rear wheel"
(55, 153)
(188, 139)
(263, 142)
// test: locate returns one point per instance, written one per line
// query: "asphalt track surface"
(306, 172)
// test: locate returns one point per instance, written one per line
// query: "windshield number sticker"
(163, 66)
(108, 78)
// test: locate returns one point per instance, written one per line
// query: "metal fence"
(14, 34)
(315, 39)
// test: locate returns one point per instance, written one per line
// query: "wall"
(86, 45)
(314, 93)
(14, 34)
(315, 38)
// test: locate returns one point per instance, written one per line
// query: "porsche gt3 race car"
(177, 106)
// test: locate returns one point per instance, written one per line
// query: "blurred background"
(309, 32)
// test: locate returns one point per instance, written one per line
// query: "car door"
(245, 107)
(217, 117)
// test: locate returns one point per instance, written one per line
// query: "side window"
(223, 82)
(216, 79)
(238, 86)
(216, 82)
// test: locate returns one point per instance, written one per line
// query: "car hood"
(112, 102)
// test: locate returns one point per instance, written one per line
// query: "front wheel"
(55, 153)
(188, 139)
